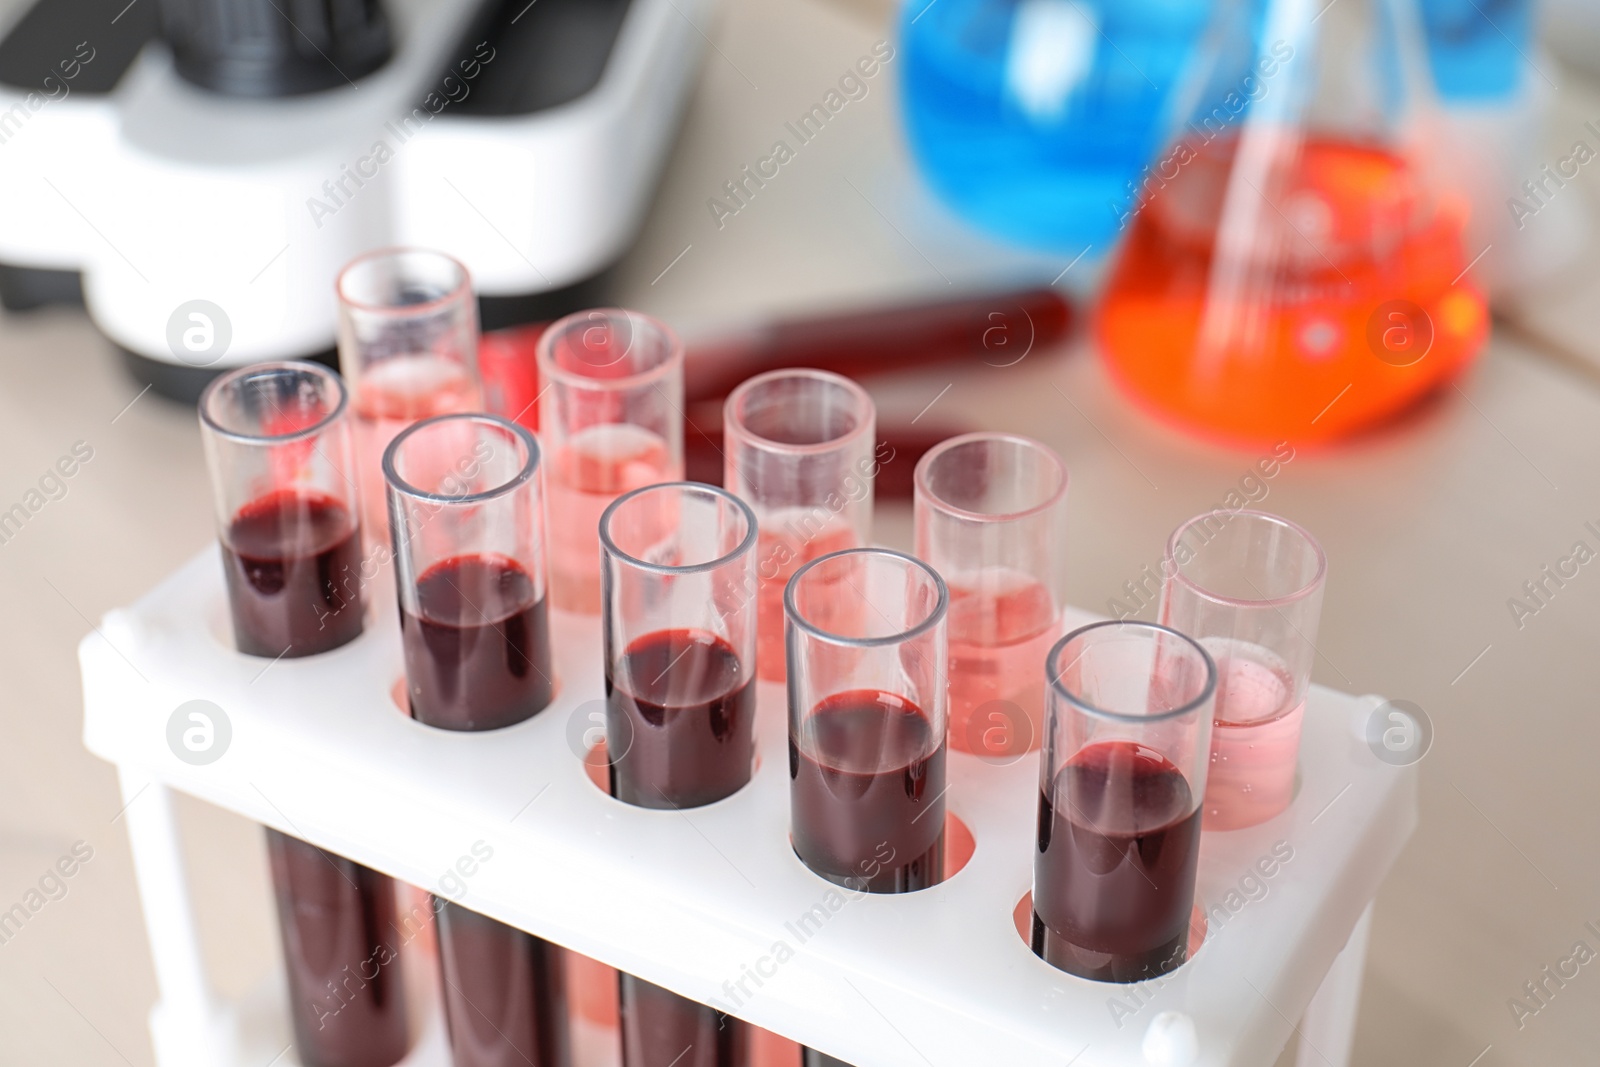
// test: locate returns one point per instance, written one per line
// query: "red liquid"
(346, 989)
(812, 1058)
(292, 563)
(680, 721)
(1113, 884)
(504, 993)
(868, 799)
(662, 1029)
(478, 649)
(478, 658)
(1253, 343)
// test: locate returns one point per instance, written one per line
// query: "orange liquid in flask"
(1334, 296)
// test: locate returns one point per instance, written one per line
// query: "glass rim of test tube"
(861, 408)
(550, 370)
(462, 285)
(1038, 448)
(715, 492)
(517, 431)
(1054, 673)
(934, 617)
(252, 370)
(1306, 539)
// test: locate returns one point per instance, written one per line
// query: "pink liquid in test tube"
(798, 447)
(395, 394)
(611, 415)
(594, 467)
(990, 516)
(408, 343)
(1007, 622)
(782, 551)
(1248, 585)
(1255, 737)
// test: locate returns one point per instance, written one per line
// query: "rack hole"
(959, 845)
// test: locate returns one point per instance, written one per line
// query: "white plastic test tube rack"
(697, 900)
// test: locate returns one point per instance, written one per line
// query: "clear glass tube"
(467, 521)
(505, 992)
(611, 415)
(1248, 585)
(278, 447)
(679, 584)
(1121, 777)
(662, 1029)
(867, 707)
(990, 516)
(679, 626)
(408, 344)
(337, 919)
(798, 447)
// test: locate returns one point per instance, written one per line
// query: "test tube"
(680, 639)
(611, 415)
(1121, 776)
(408, 343)
(504, 992)
(865, 638)
(466, 518)
(990, 516)
(278, 447)
(467, 522)
(1248, 585)
(799, 448)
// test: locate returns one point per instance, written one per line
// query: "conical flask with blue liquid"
(1032, 117)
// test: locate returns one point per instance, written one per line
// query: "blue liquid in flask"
(1031, 117)
(1478, 49)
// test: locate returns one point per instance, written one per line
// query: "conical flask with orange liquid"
(1293, 267)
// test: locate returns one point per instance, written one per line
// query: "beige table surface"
(1430, 527)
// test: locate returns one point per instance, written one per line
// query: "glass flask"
(1295, 268)
(1033, 118)
(1478, 49)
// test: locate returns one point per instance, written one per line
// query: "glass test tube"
(611, 415)
(679, 582)
(867, 705)
(467, 520)
(798, 446)
(810, 1057)
(990, 515)
(1248, 585)
(1121, 776)
(408, 343)
(278, 448)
